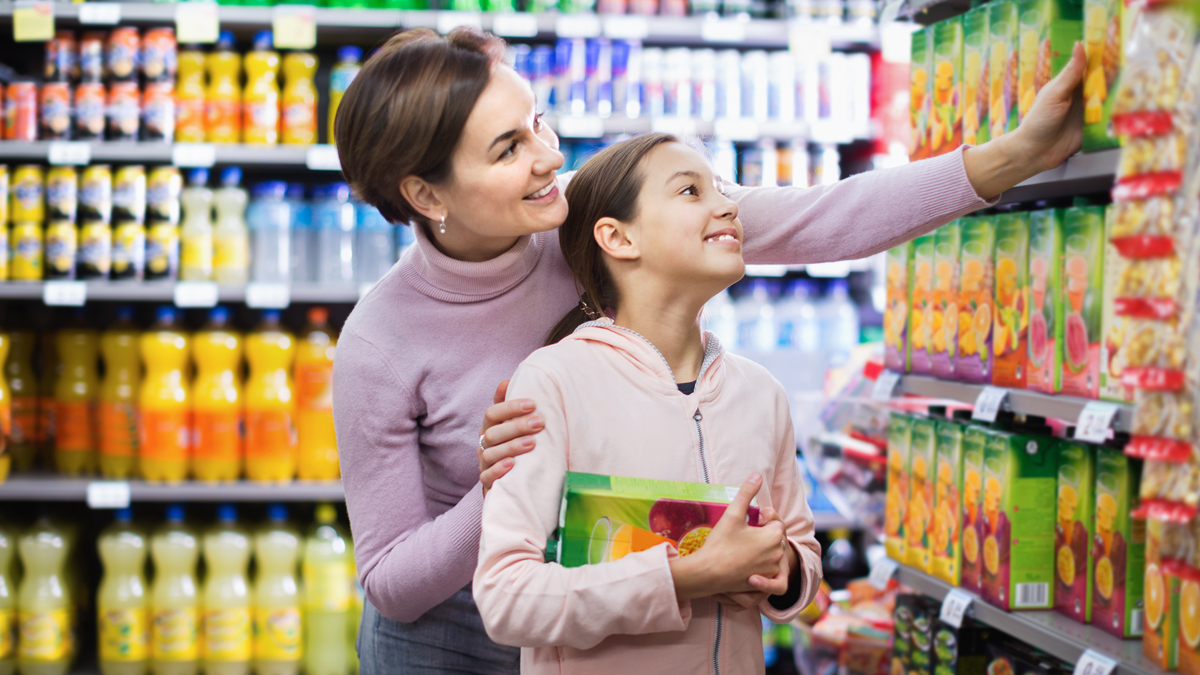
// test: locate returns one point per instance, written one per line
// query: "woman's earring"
(442, 227)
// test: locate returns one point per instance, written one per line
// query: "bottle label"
(44, 636)
(95, 252)
(314, 386)
(300, 121)
(270, 434)
(196, 256)
(176, 635)
(229, 255)
(277, 634)
(163, 434)
(62, 241)
(5, 421)
(123, 635)
(189, 117)
(223, 120)
(227, 634)
(74, 426)
(129, 248)
(217, 435)
(328, 586)
(46, 409)
(24, 419)
(26, 251)
(118, 429)
(261, 120)
(162, 248)
(8, 640)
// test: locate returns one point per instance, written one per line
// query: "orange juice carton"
(895, 315)
(922, 457)
(921, 85)
(1189, 621)
(1045, 290)
(1073, 530)
(947, 242)
(1114, 328)
(1104, 30)
(1049, 30)
(975, 300)
(1020, 470)
(947, 499)
(974, 445)
(945, 113)
(897, 497)
(921, 323)
(1011, 318)
(1003, 23)
(1082, 305)
(975, 76)
(1160, 642)
(1119, 547)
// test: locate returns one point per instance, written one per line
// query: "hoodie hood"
(647, 359)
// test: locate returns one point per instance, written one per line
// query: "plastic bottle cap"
(165, 314)
(349, 54)
(277, 512)
(175, 513)
(197, 177)
(263, 40)
(231, 176)
(270, 316)
(124, 515)
(125, 313)
(227, 513)
(318, 316)
(272, 189)
(225, 40)
(325, 514)
(339, 191)
(295, 191)
(219, 315)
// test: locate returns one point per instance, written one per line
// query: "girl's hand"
(775, 586)
(507, 431)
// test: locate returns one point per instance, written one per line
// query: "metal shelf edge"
(44, 487)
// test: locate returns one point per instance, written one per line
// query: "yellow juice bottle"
(174, 600)
(270, 405)
(118, 397)
(317, 455)
(44, 608)
(164, 401)
(5, 408)
(223, 99)
(8, 600)
(122, 615)
(299, 99)
(75, 394)
(18, 371)
(228, 627)
(189, 96)
(340, 78)
(217, 400)
(260, 121)
(278, 621)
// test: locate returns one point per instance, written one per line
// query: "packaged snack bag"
(1011, 318)
(921, 92)
(922, 458)
(897, 498)
(1082, 301)
(945, 115)
(1003, 25)
(902, 618)
(946, 540)
(961, 651)
(1104, 29)
(925, 615)
(975, 77)
(1073, 565)
(974, 444)
(1157, 55)
(947, 242)
(1049, 31)
(1045, 292)
(1119, 552)
(1118, 279)
(921, 321)
(895, 315)
(975, 300)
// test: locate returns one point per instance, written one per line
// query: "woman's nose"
(548, 156)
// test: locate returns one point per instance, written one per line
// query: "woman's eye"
(509, 150)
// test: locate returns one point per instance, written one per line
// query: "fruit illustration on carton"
(922, 322)
(945, 116)
(921, 87)
(1003, 24)
(975, 77)
(975, 300)
(946, 244)
(895, 315)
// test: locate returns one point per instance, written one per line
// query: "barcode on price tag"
(1092, 662)
(885, 385)
(954, 607)
(989, 402)
(195, 294)
(69, 153)
(268, 296)
(1095, 420)
(882, 573)
(64, 293)
(107, 494)
(100, 13)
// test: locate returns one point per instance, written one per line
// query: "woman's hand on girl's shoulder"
(508, 430)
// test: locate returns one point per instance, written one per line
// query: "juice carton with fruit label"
(961, 651)
(895, 518)
(1104, 30)
(1160, 643)
(1049, 30)
(920, 323)
(1011, 318)
(946, 244)
(1112, 327)
(922, 457)
(975, 300)
(925, 614)
(974, 446)
(975, 77)
(895, 315)
(947, 535)
(1045, 268)
(1073, 565)
(1082, 304)
(1189, 623)
(1119, 547)
(921, 85)
(1003, 24)
(945, 114)
(1019, 477)
(605, 518)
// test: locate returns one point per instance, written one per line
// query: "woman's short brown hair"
(405, 111)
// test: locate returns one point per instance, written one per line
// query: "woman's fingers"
(504, 411)
(490, 475)
(517, 428)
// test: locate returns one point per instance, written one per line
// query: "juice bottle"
(5, 408)
(122, 607)
(118, 397)
(340, 78)
(260, 124)
(223, 100)
(75, 394)
(327, 595)
(189, 96)
(227, 625)
(277, 618)
(299, 99)
(217, 400)
(44, 617)
(174, 605)
(8, 602)
(317, 453)
(270, 405)
(48, 368)
(164, 402)
(196, 234)
(231, 239)
(18, 370)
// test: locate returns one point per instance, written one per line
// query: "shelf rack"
(52, 488)
(163, 291)
(1082, 174)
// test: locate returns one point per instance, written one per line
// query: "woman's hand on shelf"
(508, 431)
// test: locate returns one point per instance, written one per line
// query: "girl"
(651, 237)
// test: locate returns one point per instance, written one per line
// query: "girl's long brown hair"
(606, 187)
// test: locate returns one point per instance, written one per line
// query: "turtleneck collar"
(441, 277)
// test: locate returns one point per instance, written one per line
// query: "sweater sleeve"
(408, 561)
(527, 602)
(856, 217)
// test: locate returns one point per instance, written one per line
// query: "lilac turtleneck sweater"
(422, 353)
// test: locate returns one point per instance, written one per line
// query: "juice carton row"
(923, 644)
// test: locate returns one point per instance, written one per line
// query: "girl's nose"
(728, 209)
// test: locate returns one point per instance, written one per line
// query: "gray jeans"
(449, 638)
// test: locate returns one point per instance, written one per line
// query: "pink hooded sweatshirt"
(611, 406)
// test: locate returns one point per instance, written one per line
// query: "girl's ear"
(421, 195)
(614, 239)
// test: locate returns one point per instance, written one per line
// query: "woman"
(439, 132)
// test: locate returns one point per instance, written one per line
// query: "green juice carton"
(945, 114)
(947, 533)
(920, 323)
(1011, 319)
(1112, 327)
(895, 315)
(922, 456)
(1045, 293)
(897, 497)
(1104, 32)
(1049, 30)
(1074, 528)
(925, 616)
(974, 445)
(1003, 24)
(975, 77)
(1119, 548)
(975, 300)
(947, 242)
(921, 85)
(605, 518)
(1082, 277)
(1020, 473)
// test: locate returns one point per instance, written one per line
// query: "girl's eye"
(690, 190)
(537, 121)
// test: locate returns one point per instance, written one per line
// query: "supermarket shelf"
(1051, 632)
(1082, 174)
(51, 488)
(928, 12)
(123, 151)
(1020, 401)
(164, 291)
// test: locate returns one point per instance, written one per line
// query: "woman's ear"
(614, 239)
(421, 195)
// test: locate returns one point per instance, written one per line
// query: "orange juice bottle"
(75, 393)
(217, 400)
(299, 99)
(163, 429)
(5, 407)
(260, 123)
(223, 99)
(189, 96)
(18, 371)
(118, 397)
(270, 406)
(48, 368)
(318, 458)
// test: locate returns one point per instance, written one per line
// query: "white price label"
(809, 41)
(677, 126)
(580, 127)
(197, 22)
(195, 294)
(885, 385)
(294, 26)
(100, 13)
(194, 155)
(1092, 662)
(1095, 420)
(954, 607)
(882, 573)
(448, 21)
(515, 24)
(626, 27)
(64, 293)
(722, 30)
(268, 296)
(890, 11)
(106, 494)
(989, 402)
(69, 153)
(322, 158)
(577, 26)
(736, 129)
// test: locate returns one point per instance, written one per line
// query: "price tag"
(33, 21)
(577, 26)
(100, 13)
(196, 155)
(580, 127)
(108, 494)
(890, 11)
(448, 21)
(678, 126)
(722, 30)
(1092, 662)
(885, 386)
(294, 26)
(626, 27)
(809, 41)
(322, 158)
(64, 293)
(1095, 421)
(69, 153)
(989, 402)
(736, 129)
(195, 294)
(197, 22)
(882, 573)
(954, 607)
(268, 296)
(515, 24)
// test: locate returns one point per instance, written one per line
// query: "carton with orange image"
(1003, 24)
(1104, 30)
(945, 113)
(922, 457)
(1045, 292)
(1011, 317)
(897, 496)
(946, 540)
(921, 88)
(1082, 300)
(975, 300)
(1160, 643)
(974, 445)
(921, 322)
(1119, 549)
(1076, 522)
(947, 242)
(1049, 30)
(895, 314)
(975, 77)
